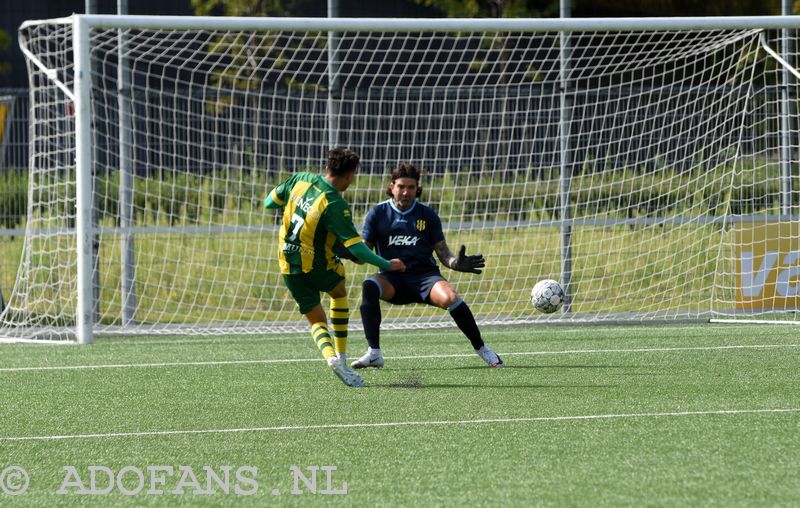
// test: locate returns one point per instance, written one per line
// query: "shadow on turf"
(421, 385)
(507, 367)
(413, 382)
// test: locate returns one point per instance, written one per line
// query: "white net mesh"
(671, 138)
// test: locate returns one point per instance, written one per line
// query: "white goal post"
(650, 165)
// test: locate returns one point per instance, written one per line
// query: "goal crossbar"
(431, 24)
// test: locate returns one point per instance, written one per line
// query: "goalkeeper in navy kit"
(405, 229)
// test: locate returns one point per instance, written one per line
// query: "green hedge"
(176, 197)
(13, 197)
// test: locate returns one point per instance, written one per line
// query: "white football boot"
(372, 358)
(490, 357)
(347, 376)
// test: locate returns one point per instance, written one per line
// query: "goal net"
(649, 168)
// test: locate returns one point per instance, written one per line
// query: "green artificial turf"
(581, 416)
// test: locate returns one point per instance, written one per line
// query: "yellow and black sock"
(340, 319)
(319, 332)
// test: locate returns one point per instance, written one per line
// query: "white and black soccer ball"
(547, 296)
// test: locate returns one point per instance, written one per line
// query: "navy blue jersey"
(409, 236)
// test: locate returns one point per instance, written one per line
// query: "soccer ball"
(547, 296)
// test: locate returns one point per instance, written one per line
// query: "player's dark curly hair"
(406, 170)
(342, 161)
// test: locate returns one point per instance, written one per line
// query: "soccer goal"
(650, 165)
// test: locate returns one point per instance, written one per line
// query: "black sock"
(371, 312)
(466, 323)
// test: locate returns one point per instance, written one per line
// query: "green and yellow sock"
(340, 319)
(319, 332)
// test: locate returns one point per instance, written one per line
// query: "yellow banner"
(768, 266)
(4, 106)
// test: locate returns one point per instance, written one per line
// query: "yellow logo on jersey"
(421, 225)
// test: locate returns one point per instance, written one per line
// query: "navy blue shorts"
(412, 287)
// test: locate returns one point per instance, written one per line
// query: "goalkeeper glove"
(464, 263)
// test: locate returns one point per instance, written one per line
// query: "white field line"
(389, 334)
(340, 426)
(155, 365)
(412, 357)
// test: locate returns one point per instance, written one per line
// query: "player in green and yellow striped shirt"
(315, 218)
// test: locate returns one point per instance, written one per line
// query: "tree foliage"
(247, 8)
(675, 8)
(494, 8)
(608, 8)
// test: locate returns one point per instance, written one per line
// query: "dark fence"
(444, 130)
(474, 130)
